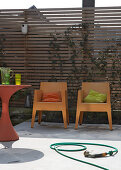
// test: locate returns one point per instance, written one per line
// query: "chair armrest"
(80, 96)
(108, 97)
(37, 95)
(63, 96)
(66, 96)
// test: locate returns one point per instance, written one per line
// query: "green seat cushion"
(95, 97)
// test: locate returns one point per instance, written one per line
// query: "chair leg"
(109, 118)
(81, 118)
(33, 117)
(77, 118)
(64, 118)
(67, 115)
(39, 116)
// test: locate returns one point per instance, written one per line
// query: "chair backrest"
(53, 86)
(101, 87)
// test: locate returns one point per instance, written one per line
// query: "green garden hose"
(56, 147)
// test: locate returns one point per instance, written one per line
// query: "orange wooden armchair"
(51, 103)
(102, 87)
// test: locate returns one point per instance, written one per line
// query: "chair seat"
(93, 107)
(49, 106)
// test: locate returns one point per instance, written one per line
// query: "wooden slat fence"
(64, 44)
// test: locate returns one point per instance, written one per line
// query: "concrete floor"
(32, 151)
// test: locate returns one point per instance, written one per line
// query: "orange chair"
(102, 87)
(41, 103)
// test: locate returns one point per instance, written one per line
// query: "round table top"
(10, 89)
(12, 85)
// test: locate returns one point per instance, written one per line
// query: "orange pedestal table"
(7, 132)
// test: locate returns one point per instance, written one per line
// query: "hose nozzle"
(88, 155)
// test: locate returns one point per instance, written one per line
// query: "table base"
(7, 132)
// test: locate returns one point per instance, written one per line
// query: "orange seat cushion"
(51, 97)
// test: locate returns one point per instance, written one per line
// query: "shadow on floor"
(19, 155)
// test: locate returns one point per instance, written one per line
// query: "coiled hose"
(56, 147)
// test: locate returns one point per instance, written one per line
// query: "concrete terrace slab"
(32, 151)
